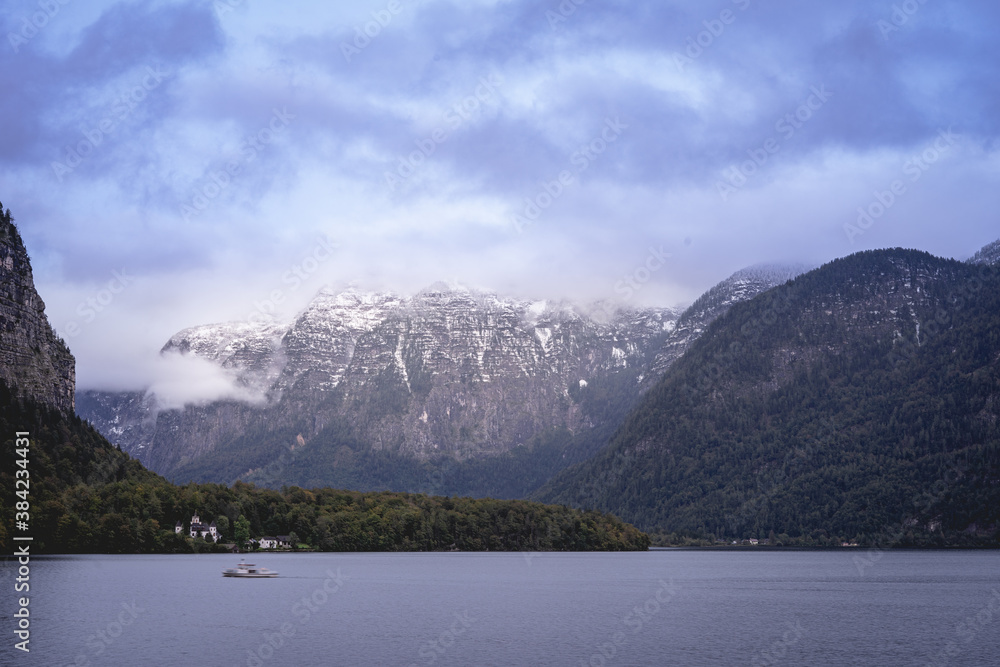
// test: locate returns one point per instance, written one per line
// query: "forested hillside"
(860, 402)
(87, 496)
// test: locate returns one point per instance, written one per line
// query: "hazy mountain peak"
(988, 254)
(350, 295)
(771, 272)
(446, 287)
(742, 285)
(214, 340)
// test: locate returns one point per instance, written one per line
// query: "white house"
(198, 529)
(268, 542)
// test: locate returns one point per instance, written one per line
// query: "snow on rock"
(453, 361)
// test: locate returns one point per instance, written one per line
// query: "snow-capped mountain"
(447, 371)
(447, 374)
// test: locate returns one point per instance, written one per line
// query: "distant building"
(198, 529)
(285, 541)
(268, 542)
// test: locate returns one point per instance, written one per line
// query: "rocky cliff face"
(33, 360)
(447, 371)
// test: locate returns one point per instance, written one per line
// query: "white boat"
(249, 571)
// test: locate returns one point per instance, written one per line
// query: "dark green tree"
(241, 533)
(222, 525)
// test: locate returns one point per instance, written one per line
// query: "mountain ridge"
(786, 416)
(988, 254)
(740, 286)
(564, 374)
(423, 376)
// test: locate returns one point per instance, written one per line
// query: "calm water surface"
(670, 607)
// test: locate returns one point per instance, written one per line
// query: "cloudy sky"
(177, 163)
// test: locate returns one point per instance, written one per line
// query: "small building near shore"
(198, 529)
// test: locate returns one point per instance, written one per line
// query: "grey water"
(663, 607)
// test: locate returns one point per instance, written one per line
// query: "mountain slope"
(859, 401)
(741, 286)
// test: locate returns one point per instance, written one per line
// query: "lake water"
(664, 607)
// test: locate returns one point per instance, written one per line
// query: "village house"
(198, 529)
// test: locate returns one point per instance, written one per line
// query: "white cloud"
(184, 379)
(451, 219)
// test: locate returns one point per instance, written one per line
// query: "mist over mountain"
(447, 372)
(451, 390)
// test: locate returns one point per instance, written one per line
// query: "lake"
(664, 607)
